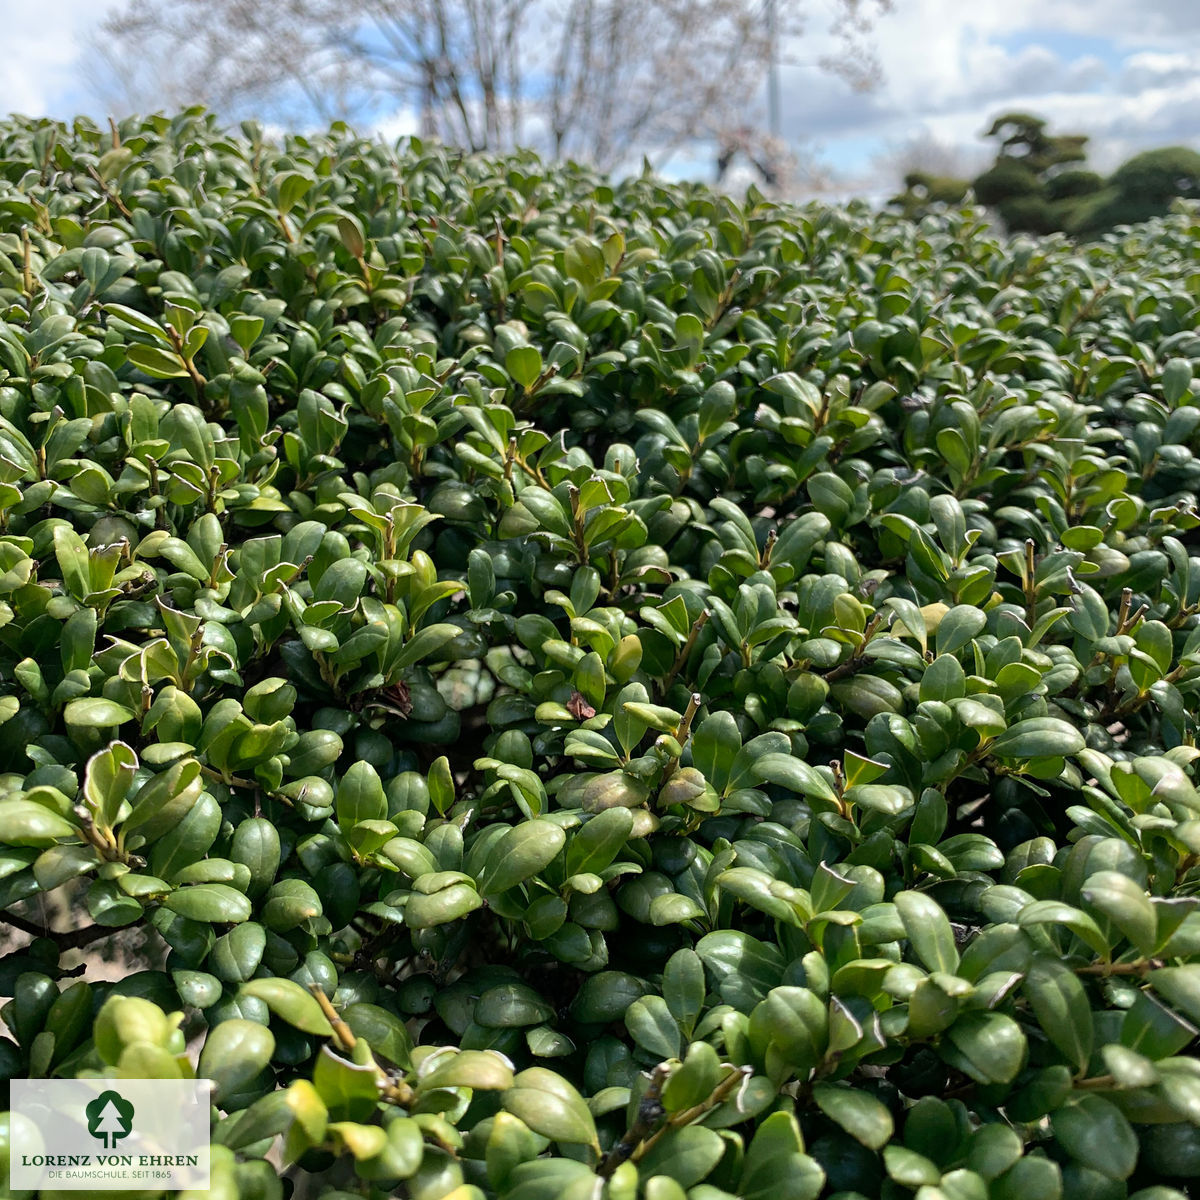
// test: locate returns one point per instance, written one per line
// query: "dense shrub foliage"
(594, 690)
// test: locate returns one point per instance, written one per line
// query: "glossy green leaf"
(928, 930)
(290, 1003)
(549, 1105)
(861, 1115)
(520, 853)
(234, 1054)
(1094, 1131)
(1061, 1005)
(213, 902)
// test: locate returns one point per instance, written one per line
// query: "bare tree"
(924, 153)
(596, 80)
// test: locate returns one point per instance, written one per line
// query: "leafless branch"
(595, 80)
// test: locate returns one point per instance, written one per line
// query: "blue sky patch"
(1070, 47)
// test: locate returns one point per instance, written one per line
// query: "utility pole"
(773, 108)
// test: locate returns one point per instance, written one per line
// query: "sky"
(1125, 72)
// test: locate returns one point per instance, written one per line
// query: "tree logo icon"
(109, 1117)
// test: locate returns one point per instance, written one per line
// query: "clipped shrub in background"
(1040, 183)
(1145, 186)
(598, 690)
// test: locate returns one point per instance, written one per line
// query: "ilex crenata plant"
(596, 691)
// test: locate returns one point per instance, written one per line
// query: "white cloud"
(1126, 74)
(42, 73)
(405, 122)
(1161, 23)
(1156, 68)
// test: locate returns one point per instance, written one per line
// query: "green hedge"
(597, 690)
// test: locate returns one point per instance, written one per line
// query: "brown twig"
(856, 660)
(649, 1113)
(193, 373)
(248, 784)
(764, 559)
(1142, 967)
(1097, 1082)
(688, 1115)
(577, 525)
(684, 731)
(1085, 310)
(341, 1030)
(685, 650)
(69, 940)
(1031, 588)
(390, 1088)
(109, 194)
(26, 262)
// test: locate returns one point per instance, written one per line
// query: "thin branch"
(685, 650)
(649, 1113)
(109, 194)
(71, 939)
(1143, 966)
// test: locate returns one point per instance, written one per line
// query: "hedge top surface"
(598, 690)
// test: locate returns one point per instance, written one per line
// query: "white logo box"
(147, 1134)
